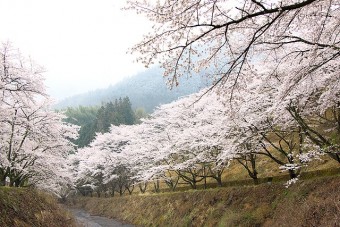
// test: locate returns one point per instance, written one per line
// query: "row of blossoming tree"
(276, 93)
(196, 137)
(34, 142)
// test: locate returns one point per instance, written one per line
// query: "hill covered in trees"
(93, 119)
(147, 90)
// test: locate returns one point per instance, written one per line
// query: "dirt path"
(85, 219)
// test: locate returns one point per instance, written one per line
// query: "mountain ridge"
(146, 90)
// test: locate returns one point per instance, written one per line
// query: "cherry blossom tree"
(317, 112)
(291, 37)
(107, 164)
(196, 136)
(29, 134)
(189, 136)
(282, 53)
(182, 137)
(34, 140)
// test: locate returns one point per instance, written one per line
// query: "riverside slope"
(314, 202)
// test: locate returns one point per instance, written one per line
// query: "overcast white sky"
(81, 43)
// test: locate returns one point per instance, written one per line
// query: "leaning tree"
(294, 43)
(289, 37)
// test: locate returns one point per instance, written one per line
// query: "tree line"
(276, 90)
(197, 138)
(94, 119)
(275, 67)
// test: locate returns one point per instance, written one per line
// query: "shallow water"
(84, 219)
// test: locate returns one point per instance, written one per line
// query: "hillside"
(26, 207)
(147, 90)
(308, 203)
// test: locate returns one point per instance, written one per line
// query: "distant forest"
(94, 119)
(124, 103)
(145, 90)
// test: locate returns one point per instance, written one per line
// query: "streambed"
(84, 219)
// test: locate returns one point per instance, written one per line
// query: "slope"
(27, 207)
(147, 90)
(308, 203)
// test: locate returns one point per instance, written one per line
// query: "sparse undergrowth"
(314, 202)
(25, 207)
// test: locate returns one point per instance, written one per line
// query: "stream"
(84, 219)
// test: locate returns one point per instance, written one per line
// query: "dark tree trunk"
(292, 174)
(156, 186)
(142, 187)
(130, 189)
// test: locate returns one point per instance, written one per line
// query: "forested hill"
(147, 89)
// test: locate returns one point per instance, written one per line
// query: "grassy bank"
(26, 207)
(314, 202)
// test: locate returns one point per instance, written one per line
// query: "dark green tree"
(127, 112)
(95, 119)
(86, 118)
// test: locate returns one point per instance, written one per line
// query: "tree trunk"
(193, 184)
(130, 190)
(121, 192)
(156, 186)
(219, 181)
(142, 187)
(256, 181)
(292, 174)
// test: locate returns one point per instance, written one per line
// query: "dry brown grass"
(313, 202)
(24, 207)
